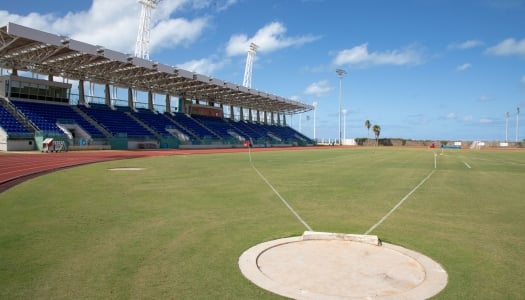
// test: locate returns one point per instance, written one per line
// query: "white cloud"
(114, 24)
(318, 89)
(163, 34)
(463, 67)
(359, 55)
(204, 66)
(486, 121)
(466, 45)
(269, 38)
(508, 47)
(451, 116)
(485, 98)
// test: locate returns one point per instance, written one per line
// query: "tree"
(377, 132)
(368, 125)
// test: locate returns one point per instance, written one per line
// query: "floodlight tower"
(247, 81)
(344, 123)
(507, 115)
(341, 73)
(142, 45)
(315, 108)
(517, 121)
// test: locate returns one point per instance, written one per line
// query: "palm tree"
(377, 131)
(368, 125)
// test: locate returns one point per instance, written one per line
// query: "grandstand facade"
(198, 111)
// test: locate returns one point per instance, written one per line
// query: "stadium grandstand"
(38, 104)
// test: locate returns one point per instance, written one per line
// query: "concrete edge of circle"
(436, 278)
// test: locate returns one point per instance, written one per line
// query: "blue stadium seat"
(45, 116)
(116, 121)
(11, 125)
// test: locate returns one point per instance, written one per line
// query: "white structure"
(142, 45)
(507, 115)
(517, 121)
(247, 81)
(344, 111)
(341, 73)
(315, 108)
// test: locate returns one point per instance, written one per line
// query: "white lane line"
(468, 166)
(279, 195)
(399, 204)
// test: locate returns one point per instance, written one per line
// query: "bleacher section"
(104, 123)
(11, 125)
(192, 126)
(251, 130)
(116, 121)
(220, 127)
(41, 115)
(160, 123)
(45, 115)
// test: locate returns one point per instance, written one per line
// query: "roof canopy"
(28, 49)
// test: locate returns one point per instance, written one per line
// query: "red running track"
(18, 167)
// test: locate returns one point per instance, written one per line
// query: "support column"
(250, 117)
(284, 120)
(273, 119)
(265, 118)
(107, 95)
(130, 98)
(258, 116)
(232, 117)
(279, 119)
(241, 113)
(81, 94)
(150, 100)
(168, 103)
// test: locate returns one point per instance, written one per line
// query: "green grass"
(177, 228)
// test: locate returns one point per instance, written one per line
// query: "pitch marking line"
(279, 195)
(399, 204)
(468, 166)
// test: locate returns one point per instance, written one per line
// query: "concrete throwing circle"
(340, 269)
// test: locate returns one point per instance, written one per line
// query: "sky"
(420, 69)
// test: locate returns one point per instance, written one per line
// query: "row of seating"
(45, 116)
(11, 125)
(144, 123)
(116, 121)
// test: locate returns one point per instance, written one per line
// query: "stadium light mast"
(507, 115)
(247, 80)
(143, 36)
(344, 123)
(315, 108)
(341, 73)
(517, 121)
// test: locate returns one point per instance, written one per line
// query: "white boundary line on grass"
(398, 204)
(277, 193)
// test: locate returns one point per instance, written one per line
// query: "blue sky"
(421, 69)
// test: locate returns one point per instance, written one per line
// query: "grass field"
(176, 229)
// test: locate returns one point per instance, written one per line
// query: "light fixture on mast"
(247, 81)
(143, 36)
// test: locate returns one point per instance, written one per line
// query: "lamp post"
(344, 123)
(517, 121)
(341, 73)
(507, 115)
(315, 108)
